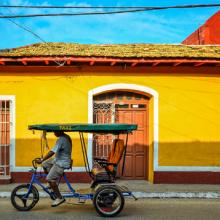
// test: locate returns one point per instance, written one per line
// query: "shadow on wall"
(170, 154)
(189, 154)
(28, 149)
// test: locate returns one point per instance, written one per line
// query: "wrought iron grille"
(103, 113)
(4, 138)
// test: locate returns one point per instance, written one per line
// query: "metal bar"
(2, 172)
(96, 145)
(123, 165)
(68, 183)
(9, 127)
(85, 162)
(86, 152)
(5, 135)
(103, 145)
(4, 145)
(9, 131)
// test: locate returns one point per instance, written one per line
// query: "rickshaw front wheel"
(108, 201)
(24, 198)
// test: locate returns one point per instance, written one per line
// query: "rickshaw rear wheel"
(22, 200)
(108, 201)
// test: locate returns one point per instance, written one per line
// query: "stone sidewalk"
(144, 189)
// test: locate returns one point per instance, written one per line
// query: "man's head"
(58, 133)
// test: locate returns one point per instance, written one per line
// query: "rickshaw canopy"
(87, 128)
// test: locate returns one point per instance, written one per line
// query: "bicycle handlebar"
(34, 163)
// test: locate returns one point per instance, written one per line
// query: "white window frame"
(11, 99)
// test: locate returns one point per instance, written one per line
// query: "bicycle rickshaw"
(107, 196)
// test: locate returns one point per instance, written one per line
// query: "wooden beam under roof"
(199, 64)
(91, 63)
(155, 63)
(109, 61)
(46, 62)
(113, 63)
(134, 64)
(177, 63)
(24, 62)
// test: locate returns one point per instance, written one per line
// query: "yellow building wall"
(189, 112)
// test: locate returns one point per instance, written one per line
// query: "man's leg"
(55, 173)
(47, 165)
(55, 189)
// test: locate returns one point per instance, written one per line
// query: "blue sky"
(163, 26)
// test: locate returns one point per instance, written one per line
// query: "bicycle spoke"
(24, 202)
(20, 196)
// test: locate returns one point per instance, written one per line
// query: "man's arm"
(52, 151)
(47, 156)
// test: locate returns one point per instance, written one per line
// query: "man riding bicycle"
(54, 167)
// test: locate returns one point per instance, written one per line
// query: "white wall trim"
(11, 98)
(188, 168)
(133, 87)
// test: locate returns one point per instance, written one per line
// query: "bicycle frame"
(35, 179)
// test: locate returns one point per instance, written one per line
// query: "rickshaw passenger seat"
(115, 154)
(109, 166)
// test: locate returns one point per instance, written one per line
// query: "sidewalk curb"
(154, 195)
(187, 195)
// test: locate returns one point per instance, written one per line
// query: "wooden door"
(124, 107)
(136, 160)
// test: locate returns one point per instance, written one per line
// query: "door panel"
(140, 166)
(139, 137)
(128, 172)
(139, 118)
(136, 155)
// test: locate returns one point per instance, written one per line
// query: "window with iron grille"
(103, 113)
(5, 106)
